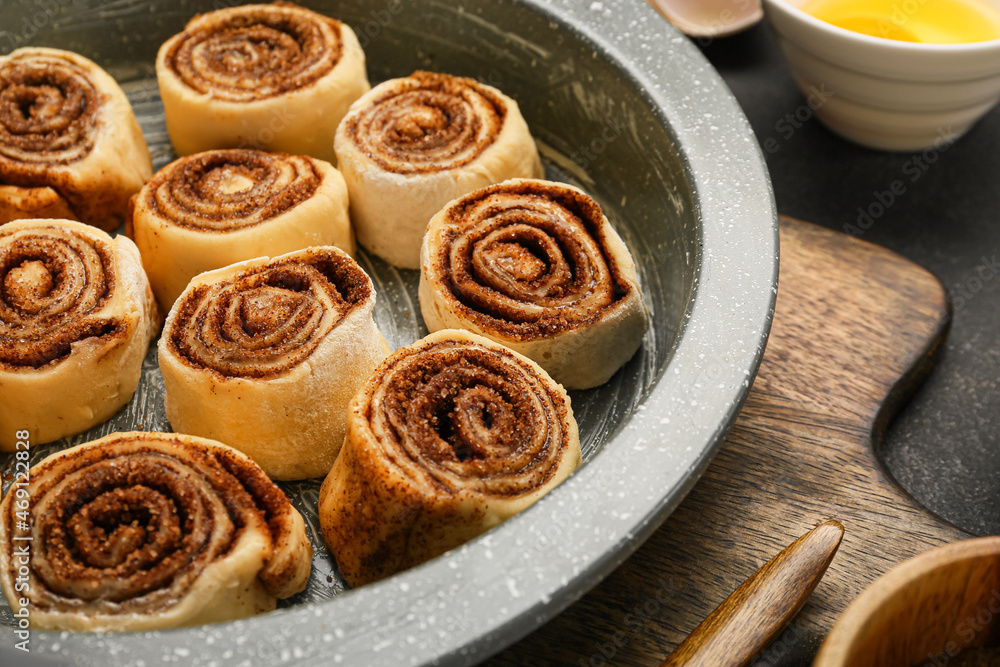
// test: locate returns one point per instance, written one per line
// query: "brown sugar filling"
(427, 123)
(267, 319)
(227, 190)
(471, 417)
(48, 116)
(528, 260)
(54, 285)
(130, 525)
(256, 52)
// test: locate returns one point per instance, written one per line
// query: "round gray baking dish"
(622, 105)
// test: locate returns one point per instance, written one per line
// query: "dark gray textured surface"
(945, 446)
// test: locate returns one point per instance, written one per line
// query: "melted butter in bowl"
(925, 21)
(898, 75)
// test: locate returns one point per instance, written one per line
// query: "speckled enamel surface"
(622, 106)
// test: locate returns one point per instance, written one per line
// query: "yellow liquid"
(928, 21)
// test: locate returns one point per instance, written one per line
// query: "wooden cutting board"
(856, 328)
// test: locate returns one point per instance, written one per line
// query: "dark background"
(944, 447)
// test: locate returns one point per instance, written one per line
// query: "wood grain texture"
(757, 611)
(856, 328)
(928, 610)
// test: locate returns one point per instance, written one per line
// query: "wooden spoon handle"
(757, 611)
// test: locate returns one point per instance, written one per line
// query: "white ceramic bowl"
(882, 93)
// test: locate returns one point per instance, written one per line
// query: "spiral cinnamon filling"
(227, 190)
(256, 52)
(129, 525)
(269, 318)
(471, 417)
(48, 116)
(529, 259)
(53, 285)
(428, 123)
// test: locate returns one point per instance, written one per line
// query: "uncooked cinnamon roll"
(70, 146)
(76, 319)
(212, 209)
(535, 265)
(275, 77)
(451, 436)
(266, 354)
(144, 531)
(411, 145)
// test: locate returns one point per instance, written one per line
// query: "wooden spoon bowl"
(925, 611)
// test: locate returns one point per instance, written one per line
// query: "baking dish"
(622, 105)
